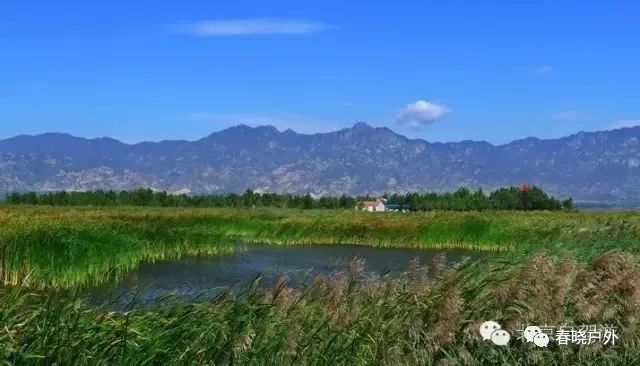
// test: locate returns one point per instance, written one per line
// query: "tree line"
(512, 198)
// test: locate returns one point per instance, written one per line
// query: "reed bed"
(68, 247)
(546, 268)
(429, 315)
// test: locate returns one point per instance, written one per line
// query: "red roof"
(370, 203)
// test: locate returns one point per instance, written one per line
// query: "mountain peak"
(243, 130)
(362, 126)
(240, 127)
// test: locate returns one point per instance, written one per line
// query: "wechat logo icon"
(491, 330)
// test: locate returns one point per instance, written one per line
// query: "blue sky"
(439, 70)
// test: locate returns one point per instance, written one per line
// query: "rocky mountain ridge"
(589, 166)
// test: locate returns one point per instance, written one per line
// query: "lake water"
(207, 276)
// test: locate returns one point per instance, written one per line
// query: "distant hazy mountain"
(595, 166)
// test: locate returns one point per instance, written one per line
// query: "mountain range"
(588, 166)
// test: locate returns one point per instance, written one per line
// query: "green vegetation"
(546, 268)
(65, 247)
(523, 198)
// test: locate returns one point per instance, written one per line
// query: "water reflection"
(207, 276)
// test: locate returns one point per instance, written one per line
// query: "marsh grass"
(546, 268)
(67, 247)
(428, 315)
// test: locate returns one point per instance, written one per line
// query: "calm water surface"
(207, 276)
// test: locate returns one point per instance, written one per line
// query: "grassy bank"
(67, 247)
(547, 268)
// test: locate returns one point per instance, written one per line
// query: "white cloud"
(569, 115)
(544, 69)
(624, 124)
(243, 27)
(421, 113)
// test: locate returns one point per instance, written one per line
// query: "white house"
(379, 205)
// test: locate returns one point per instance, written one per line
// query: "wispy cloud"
(421, 113)
(624, 124)
(543, 69)
(569, 115)
(301, 124)
(245, 27)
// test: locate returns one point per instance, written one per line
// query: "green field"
(544, 268)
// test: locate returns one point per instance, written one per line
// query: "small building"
(398, 208)
(379, 205)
